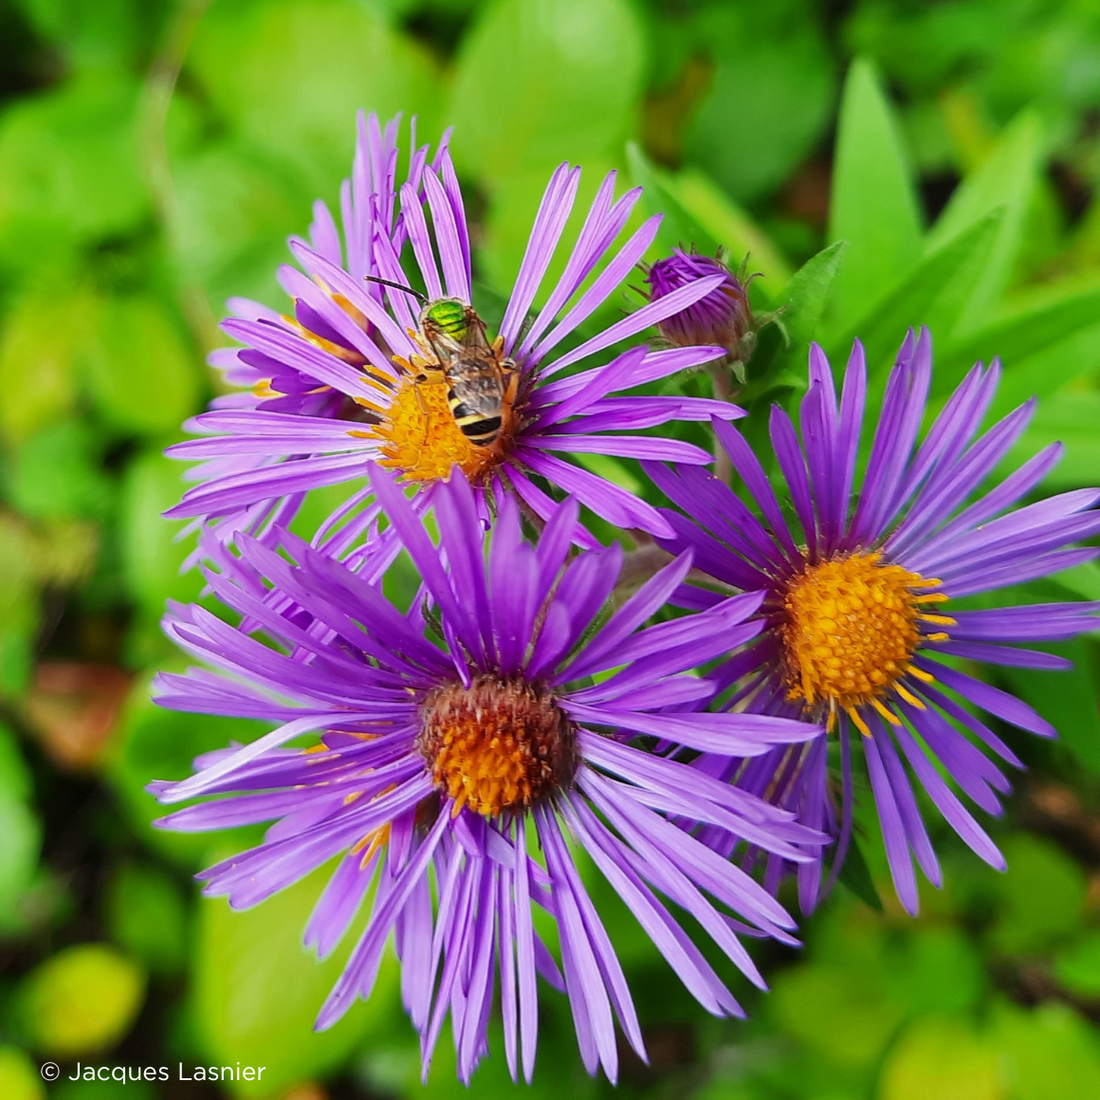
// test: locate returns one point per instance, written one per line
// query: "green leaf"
(873, 205)
(804, 298)
(154, 743)
(19, 611)
(679, 228)
(147, 917)
(542, 81)
(1042, 897)
(770, 96)
(106, 34)
(22, 833)
(937, 970)
(22, 839)
(1069, 417)
(142, 377)
(19, 1077)
(235, 206)
(1064, 363)
(911, 302)
(508, 227)
(57, 473)
(840, 1012)
(289, 76)
(258, 990)
(1066, 699)
(15, 777)
(1077, 967)
(89, 1088)
(730, 226)
(42, 337)
(1005, 181)
(941, 1058)
(82, 1000)
(1049, 1053)
(69, 163)
(151, 556)
(856, 875)
(1025, 333)
(1080, 581)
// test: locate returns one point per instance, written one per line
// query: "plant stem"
(157, 91)
(722, 381)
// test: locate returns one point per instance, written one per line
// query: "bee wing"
(476, 336)
(444, 347)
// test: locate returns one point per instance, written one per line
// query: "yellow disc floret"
(849, 629)
(411, 415)
(496, 746)
(420, 437)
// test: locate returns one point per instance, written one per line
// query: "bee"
(481, 381)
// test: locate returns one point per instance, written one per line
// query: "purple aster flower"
(267, 381)
(861, 600)
(466, 748)
(360, 373)
(721, 317)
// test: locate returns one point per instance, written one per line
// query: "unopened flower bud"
(722, 317)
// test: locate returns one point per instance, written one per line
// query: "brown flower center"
(498, 745)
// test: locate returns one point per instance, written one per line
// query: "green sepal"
(856, 875)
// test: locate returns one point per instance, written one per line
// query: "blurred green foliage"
(154, 155)
(81, 1000)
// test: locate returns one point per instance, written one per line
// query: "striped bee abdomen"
(481, 433)
(477, 413)
(478, 376)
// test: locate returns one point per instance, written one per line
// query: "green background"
(153, 159)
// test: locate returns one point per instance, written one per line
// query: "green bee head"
(448, 315)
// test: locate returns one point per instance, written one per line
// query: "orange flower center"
(849, 632)
(498, 745)
(421, 438)
(416, 428)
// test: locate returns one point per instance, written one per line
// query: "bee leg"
(423, 408)
(512, 387)
(511, 391)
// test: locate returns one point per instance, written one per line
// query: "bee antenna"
(421, 298)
